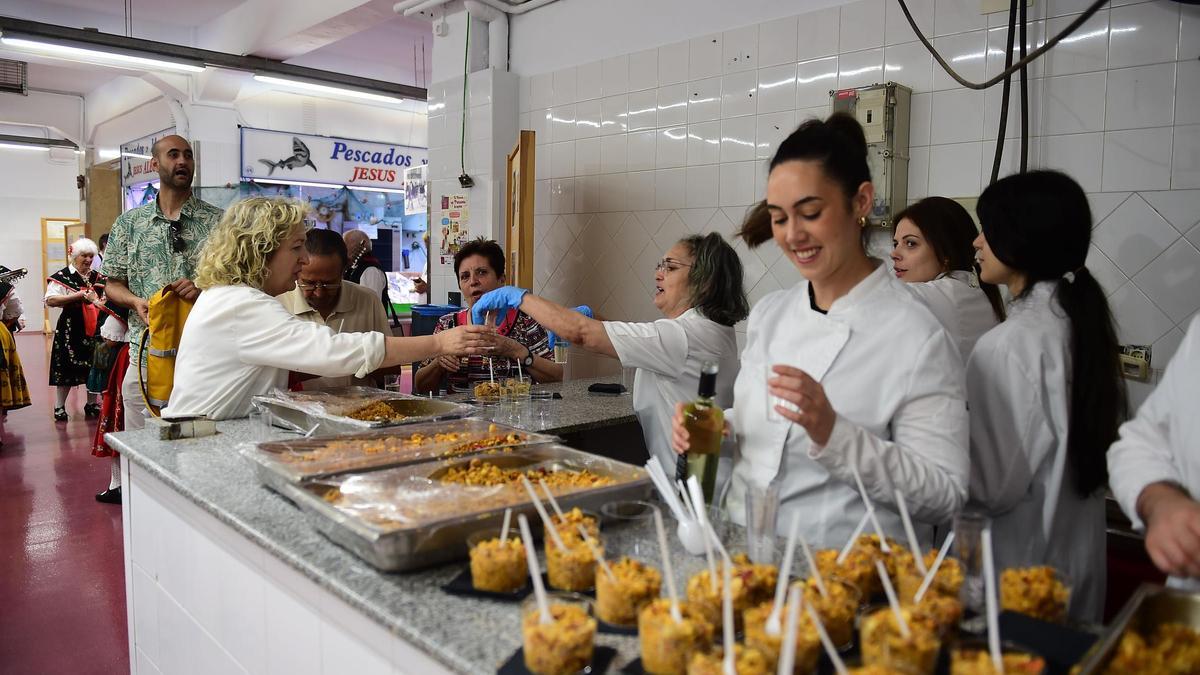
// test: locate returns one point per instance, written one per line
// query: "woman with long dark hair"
(698, 289)
(846, 371)
(932, 252)
(1045, 386)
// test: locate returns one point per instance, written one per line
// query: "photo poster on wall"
(455, 226)
(135, 159)
(416, 196)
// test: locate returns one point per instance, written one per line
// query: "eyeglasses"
(177, 243)
(319, 286)
(669, 265)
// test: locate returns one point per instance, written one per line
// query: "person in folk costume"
(115, 343)
(14, 393)
(78, 291)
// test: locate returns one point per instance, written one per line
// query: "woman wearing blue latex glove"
(698, 289)
(523, 345)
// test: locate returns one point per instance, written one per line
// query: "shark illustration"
(299, 158)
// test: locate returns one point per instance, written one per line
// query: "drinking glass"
(762, 508)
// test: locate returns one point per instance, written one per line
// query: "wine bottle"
(705, 424)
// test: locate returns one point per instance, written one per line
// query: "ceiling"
(357, 37)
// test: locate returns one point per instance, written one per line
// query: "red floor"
(62, 576)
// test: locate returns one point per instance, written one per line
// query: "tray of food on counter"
(291, 460)
(1158, 631)
(349, 409)
(413, 516)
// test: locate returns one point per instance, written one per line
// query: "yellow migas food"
(947, 581)
(1034, 591)
(561, 647)
(480, 472)
(667, 645)
(572, 568)
(979, 662)
(751, 584)
(637, 585)
(808, 644)
(1171, 649)
(747, 661)
(883, 644)
(837, 608)
(499, 568)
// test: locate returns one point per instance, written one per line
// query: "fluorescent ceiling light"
(22, 146)
(99, 56)
(313, 87)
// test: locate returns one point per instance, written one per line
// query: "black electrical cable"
(1079, 20)
(1024, 93)
(1008, 58)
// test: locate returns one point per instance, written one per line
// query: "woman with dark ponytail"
(846, 374)
(1045, 387)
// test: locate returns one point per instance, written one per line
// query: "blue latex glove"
(500, 301)
(551, 338)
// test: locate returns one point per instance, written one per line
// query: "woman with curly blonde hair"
(239, 341)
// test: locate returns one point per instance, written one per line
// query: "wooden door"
(518, 210)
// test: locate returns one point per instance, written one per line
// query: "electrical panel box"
(883, 111)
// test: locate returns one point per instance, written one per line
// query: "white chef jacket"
(1018, 383)
(239, 342)
(1162, 442)
(958, 302)
(668, 355)
(895, 380)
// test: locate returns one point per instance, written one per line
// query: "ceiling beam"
(253, 64)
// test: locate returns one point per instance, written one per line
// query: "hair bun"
(849, 128)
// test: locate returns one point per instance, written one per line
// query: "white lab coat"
(959, 304)
(894, 378)
(1162, 442)
(668, 354)
(239, 342)
(1018, 383)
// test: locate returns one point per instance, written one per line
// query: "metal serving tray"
(1150, 606)
(326, 409)
(460, 510)
(281, 463)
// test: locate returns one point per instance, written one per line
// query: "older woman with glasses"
(239, 341)
(698, 289)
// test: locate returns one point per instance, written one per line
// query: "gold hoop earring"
(862, 222)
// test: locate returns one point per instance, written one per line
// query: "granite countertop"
(580, 410)
(466, 634)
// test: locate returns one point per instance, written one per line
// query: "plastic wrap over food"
(362, 407)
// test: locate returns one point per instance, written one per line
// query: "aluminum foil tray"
(328, 410)
(1150, 606)
(406, 518)
(287, 461)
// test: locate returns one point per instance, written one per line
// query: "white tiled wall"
(639, 149)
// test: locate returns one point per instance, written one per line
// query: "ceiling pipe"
(411, 7)
(497, 22)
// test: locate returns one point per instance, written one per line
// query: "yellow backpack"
(160, 344)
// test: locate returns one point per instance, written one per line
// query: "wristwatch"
(528, 360)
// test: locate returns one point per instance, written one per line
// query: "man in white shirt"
(1154, 467)
(322, 296)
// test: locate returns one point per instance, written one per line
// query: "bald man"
(153, 246)
(365, 269)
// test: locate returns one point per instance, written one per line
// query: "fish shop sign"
(286, 156)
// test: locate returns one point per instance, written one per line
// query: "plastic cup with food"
(883, 642)
(573, 567)
(565, 644)
(837, 608)
(808, 643)
(667, 645)
(747, 661)
(971, 657)
(947, 581)
(496, 567)
(858, 567)
(1041, 592)
(632, 586)
(752, 584)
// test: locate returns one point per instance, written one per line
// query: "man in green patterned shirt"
(153, 246)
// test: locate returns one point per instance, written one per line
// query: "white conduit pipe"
(497, 22)
(411, 7)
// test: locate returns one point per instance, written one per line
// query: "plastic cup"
(495, 568)
(772, 401)
(762, 509)
(262, 424)
(633, 521)
(564, 645)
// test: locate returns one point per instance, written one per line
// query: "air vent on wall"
(13, 77)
